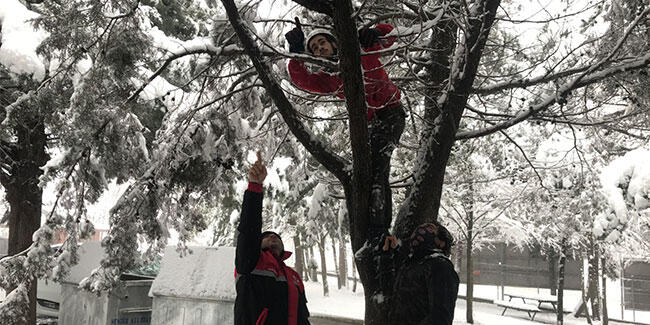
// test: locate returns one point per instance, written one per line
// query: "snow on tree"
(626, 186)
(172, 98)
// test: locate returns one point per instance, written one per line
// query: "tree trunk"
(605, 319)
(468, 203)
(552, 274)
(583, 291)
(305, 260)
(424, 195)
(354, 276)
(300, 263)
(560, 283)
(470, 268)
(423, 200)
(313, 268)
(323, 265)
(593, 288)
(336, 262)
(24, 195)
(343, 263)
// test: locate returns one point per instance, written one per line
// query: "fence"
(507, 265)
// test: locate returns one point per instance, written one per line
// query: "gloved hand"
(368, 37)
(296, 38)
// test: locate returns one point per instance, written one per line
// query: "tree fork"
(423, 200)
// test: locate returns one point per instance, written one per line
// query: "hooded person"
(268, 291)
(386, 116)
(425, 287)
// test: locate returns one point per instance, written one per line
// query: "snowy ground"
(347, 304)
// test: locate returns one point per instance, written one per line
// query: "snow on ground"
(340, 303)
(347, 304)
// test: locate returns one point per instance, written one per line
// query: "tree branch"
(423, 201)
(325, 7)
(228, 50)
(563, 91)
(334, 163)
(527, 82)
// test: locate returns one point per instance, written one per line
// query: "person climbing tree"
(386, 116)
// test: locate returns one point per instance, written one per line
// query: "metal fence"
(511, 266)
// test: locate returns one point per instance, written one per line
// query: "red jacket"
(380, 90)
(268, 291)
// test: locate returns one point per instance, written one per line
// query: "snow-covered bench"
(532, 310)
(539, 298)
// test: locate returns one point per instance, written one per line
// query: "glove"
(296, 39)
(368, 37)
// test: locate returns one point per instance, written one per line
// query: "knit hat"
(318, 31)
(423, 238)
(268, 232)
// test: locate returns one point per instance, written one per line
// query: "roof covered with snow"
(207, 273)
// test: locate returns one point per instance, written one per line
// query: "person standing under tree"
(386, 116)
(268, 291)
(420, 286)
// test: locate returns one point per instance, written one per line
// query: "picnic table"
(539, 298)
(532, 310)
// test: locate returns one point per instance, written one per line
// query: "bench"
(532, 310)
(539, 298)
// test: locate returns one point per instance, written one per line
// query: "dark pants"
(385, 129)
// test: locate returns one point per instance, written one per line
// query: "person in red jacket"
(385, 112)
(268, 291)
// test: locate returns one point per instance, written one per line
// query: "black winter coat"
(424, 292)
(268, 291)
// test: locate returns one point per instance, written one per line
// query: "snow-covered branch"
(331, 161)
(527, 82)
(435, 148)
(563, 91)
(626, 186)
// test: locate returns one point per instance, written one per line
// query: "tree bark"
(313, 274)
(423, 201)
(343, 263)
(560, 283)
(23, 193)
(300, 263)
(323, 265)
(605, 320)
(552, 274)
(593, 287)
(336, 262)
(583, 291)
(468, 204)
(354, 276)
(470, 274)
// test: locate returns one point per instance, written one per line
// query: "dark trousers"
(385, 130)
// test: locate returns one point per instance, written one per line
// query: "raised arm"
(249, 237)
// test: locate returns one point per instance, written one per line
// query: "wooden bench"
(532, 310)
(539, 298)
